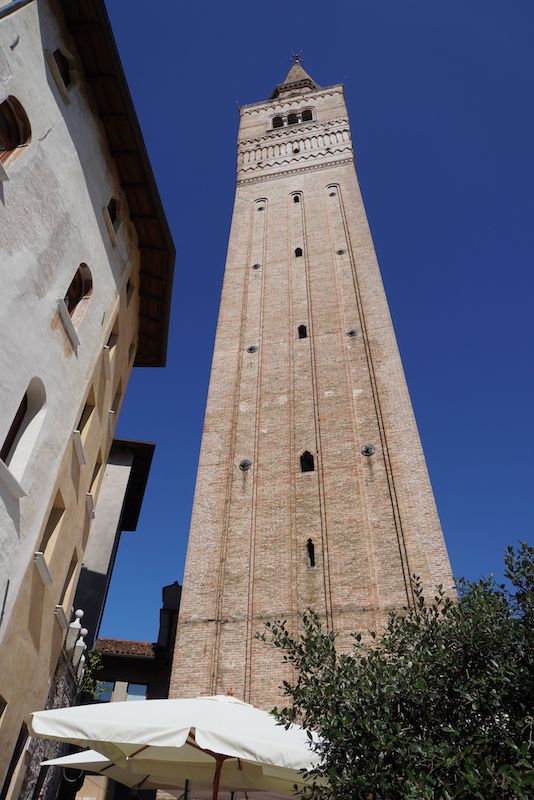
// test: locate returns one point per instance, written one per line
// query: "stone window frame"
(298, 114)
(16, 135)
(23, 434)
(64, 90)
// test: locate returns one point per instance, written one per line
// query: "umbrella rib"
(144, 747)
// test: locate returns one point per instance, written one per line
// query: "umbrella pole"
(219, 761)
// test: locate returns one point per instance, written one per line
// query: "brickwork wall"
(372, 520)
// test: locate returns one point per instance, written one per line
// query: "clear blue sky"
(440, 103)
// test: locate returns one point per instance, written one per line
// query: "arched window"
(307, 115)
(303, 332)
(296, 198)
(310, 552)
(24, 429)
(63, 66)
(298, 252)
(15, 128)
(79, 294)
(9, 441)
(292, 119)
(114, 212)
(278, 122)
(307, 463)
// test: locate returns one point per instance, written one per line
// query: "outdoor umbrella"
(208, 741)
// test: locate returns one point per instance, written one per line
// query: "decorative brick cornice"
(290, 103)
(284, 173)
(292, 130)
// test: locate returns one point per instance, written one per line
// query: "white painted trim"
(3, 173)
(67, 323)
(42, 566)
(90, 505)
(10, 482)
(78, 446)
(107, 362)
(61, 617)
(111, 422)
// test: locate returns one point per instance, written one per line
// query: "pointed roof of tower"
(297, 81)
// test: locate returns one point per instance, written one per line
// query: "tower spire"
(297, 80)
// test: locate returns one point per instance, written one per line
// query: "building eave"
(89, 25)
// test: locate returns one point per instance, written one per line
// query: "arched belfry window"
(307, 115)
(303, 332)
(298, 252)
(79, 294)
(307, 462)
(278, 122)
(15, 128)
(292, 119)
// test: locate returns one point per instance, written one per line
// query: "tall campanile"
(312, 488)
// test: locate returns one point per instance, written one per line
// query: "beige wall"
(53, 220)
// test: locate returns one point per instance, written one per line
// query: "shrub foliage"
(439, 706)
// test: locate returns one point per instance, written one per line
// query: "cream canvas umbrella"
(217, 742)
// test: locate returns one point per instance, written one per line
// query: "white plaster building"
(86, 261)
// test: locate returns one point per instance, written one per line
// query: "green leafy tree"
(439, 706)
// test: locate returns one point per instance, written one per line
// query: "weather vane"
(296, 58)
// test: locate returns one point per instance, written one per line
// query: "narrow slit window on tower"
(307, 462)
(278, 122)
(296, 198)
(310, 552)
(303, 332)
(307, 115)
(298, 252)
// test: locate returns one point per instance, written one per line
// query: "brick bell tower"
(312, 488)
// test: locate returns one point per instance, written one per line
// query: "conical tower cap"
(297, 81)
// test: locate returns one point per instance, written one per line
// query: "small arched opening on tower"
(307, 462)
(303, 332)
(296, 198)
(278, 122)
(310, 552)
(307, 115)
(298, 252)
(292, 119)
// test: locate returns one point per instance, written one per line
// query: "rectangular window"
(67, 593)
(117, 399)
(136, 691)
(103, 691)
(53, 526)
(87, 415)
(97, 476)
